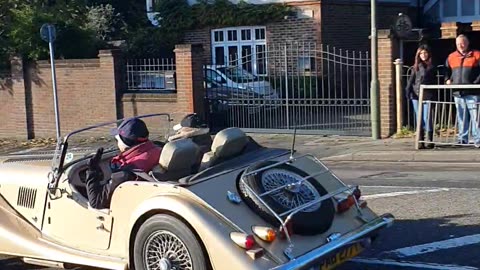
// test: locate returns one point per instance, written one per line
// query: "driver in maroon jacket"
(137, 152)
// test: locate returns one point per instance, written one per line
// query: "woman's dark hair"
(419, 61)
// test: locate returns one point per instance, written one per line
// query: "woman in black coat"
(424, 72)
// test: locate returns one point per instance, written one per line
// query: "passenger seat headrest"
(229, 142)
(179, 155)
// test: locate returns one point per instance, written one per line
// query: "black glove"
(94, 172)
(94, 162)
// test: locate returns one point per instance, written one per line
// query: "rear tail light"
(345, 204)
(265, 233)
(243, 240)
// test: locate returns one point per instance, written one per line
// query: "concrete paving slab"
(383, 156)
(448, 156)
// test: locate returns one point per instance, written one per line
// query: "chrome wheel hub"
(294, 194)
(165, 264)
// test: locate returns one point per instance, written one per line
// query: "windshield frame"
(58, 161)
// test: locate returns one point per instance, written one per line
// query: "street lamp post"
(374, 92)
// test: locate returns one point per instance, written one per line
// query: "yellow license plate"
(341, 257)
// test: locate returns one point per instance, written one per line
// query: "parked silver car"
(239, 78)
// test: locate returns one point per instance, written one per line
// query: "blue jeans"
(467, 112)
(426, 117)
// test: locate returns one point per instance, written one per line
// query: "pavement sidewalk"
(328, 148)
(344, 148)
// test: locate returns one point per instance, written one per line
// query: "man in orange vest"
(463, 66)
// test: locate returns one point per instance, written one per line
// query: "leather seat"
(227, 143)
(178, 159)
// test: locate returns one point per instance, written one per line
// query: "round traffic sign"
(47, 32)
(403, 25)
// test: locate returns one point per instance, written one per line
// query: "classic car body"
(185, 219)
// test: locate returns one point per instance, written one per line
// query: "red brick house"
(317, 62)
(344, 24)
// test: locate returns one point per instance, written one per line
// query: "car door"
(70, 221)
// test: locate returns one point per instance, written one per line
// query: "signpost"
(48, 34)
(374, 84)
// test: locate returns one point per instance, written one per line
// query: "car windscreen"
(83, 143)
(238, 75)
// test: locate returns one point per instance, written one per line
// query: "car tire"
(315, 221)
(180, 246)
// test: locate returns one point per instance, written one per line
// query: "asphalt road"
(437, 215)
(436, 209)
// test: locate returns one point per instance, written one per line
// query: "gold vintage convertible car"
(239, 206)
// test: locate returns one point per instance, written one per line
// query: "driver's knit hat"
(132, 131)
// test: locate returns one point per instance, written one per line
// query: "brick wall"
(186, 100)
(7, 97)
(91, 91)
(86, 94)
(450, 30)
(12, 103)
(346, 25)
(202, 37)
(297, 29)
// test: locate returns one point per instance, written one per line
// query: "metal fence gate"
(277, 88)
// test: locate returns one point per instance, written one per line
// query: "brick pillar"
(387, 53)
(476, 26)
(111, 64)
(449, 30)
(21, 128)
(189, 71)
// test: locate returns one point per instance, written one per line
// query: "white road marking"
(415, 187)
(434, 246)
(412, 264)
(401, 193)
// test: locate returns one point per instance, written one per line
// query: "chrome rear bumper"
(317, 255)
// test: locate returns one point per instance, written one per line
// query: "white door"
(70, 221)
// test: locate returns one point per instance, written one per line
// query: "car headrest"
(229, 142)
(179, 155)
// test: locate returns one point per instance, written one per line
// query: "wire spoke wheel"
(287, 187)
(296, 194)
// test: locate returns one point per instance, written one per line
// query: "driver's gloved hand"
(94, 162)
(94, 171)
